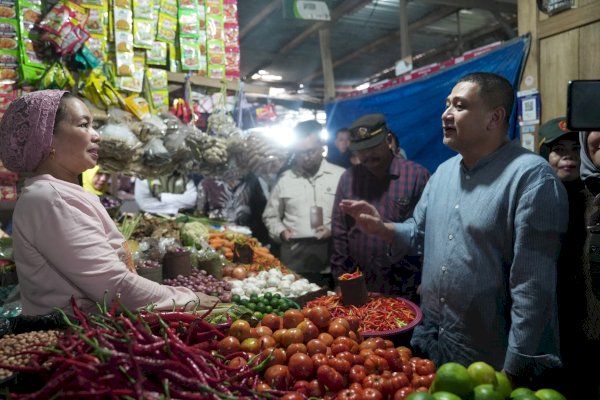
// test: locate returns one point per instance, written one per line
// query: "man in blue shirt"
(489, 224)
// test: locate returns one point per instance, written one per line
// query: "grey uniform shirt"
(490, 238)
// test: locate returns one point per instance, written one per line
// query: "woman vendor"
(65, 243)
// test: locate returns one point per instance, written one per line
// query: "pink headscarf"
(26, 130)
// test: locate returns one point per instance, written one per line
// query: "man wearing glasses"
(298, 213)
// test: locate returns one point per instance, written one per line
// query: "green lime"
(454, 378)
(526, 396)
(549, 394)
(254, 297)
(251, 306)
(261, 306)
(420, 396)
(504, 387)
(445, 396)
(482, 372)
(486, 391)
(283, 304)
(520, 391)
(244, 302)
(268, 309)
(258, 315)
(268, 296)
(235, 298)
(276, 296)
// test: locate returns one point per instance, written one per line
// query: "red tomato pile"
(315, 355)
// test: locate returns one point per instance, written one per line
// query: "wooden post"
(405, 48)
(327, 64)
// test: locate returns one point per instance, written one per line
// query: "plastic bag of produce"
(155, 153)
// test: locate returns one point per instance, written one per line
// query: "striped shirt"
(491, 238)
(395, 197)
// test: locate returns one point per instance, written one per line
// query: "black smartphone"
(583, 105)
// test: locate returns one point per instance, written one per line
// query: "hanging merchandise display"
(99, 47)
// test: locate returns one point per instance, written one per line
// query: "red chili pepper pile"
(379, 314)
(155, 355)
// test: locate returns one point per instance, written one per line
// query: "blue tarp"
(413, 110)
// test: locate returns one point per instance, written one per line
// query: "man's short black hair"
(494, 89)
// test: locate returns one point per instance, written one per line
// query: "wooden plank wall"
(565, 46)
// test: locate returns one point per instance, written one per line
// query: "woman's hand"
(368, 219)
(206, 301)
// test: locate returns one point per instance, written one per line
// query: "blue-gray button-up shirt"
(490, 237)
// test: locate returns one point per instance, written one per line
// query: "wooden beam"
(347, 7)
(405, 47)
(427, 20)
(478, 4)
(177, 77)
(258, 18)
(570, 19)
(329, 80)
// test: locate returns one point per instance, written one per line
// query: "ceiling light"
(363, 86)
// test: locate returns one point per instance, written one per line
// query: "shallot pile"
(201, 281)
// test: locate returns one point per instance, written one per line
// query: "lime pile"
(478, 381)
(265, 304)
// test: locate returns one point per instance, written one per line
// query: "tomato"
(388, 343)
(368, 344)
(339, 347)
(266, 342)
(339, 364)
(240, 329)
(408, 370)
(295, 348)
(315, 346)
(316, 388)
(357, 387)
(319, 359)
(402, 393)
(364, 353)
(292, 335)
(358, 359)
(300, 366)
(309, 330)
(237, 362)
(292, 317)
(302, 387)
(293, 396)
(353, 322)
(357, 373)
(346, 355)
(349, 343)
(383, 385)
(263, 330)
(348, 394)
(421, 380)
(262, 387)
(399, 380)
(250, 345)
(278, 377)
(337, 329)
(278, 334)
(229, 345)
(272, 321)
(326, 338)
(372, 394)
(375, 364)
(393, 358)
(320, 316)
(404, 351)
(330, 378)
(277, 356)
(424, 366)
